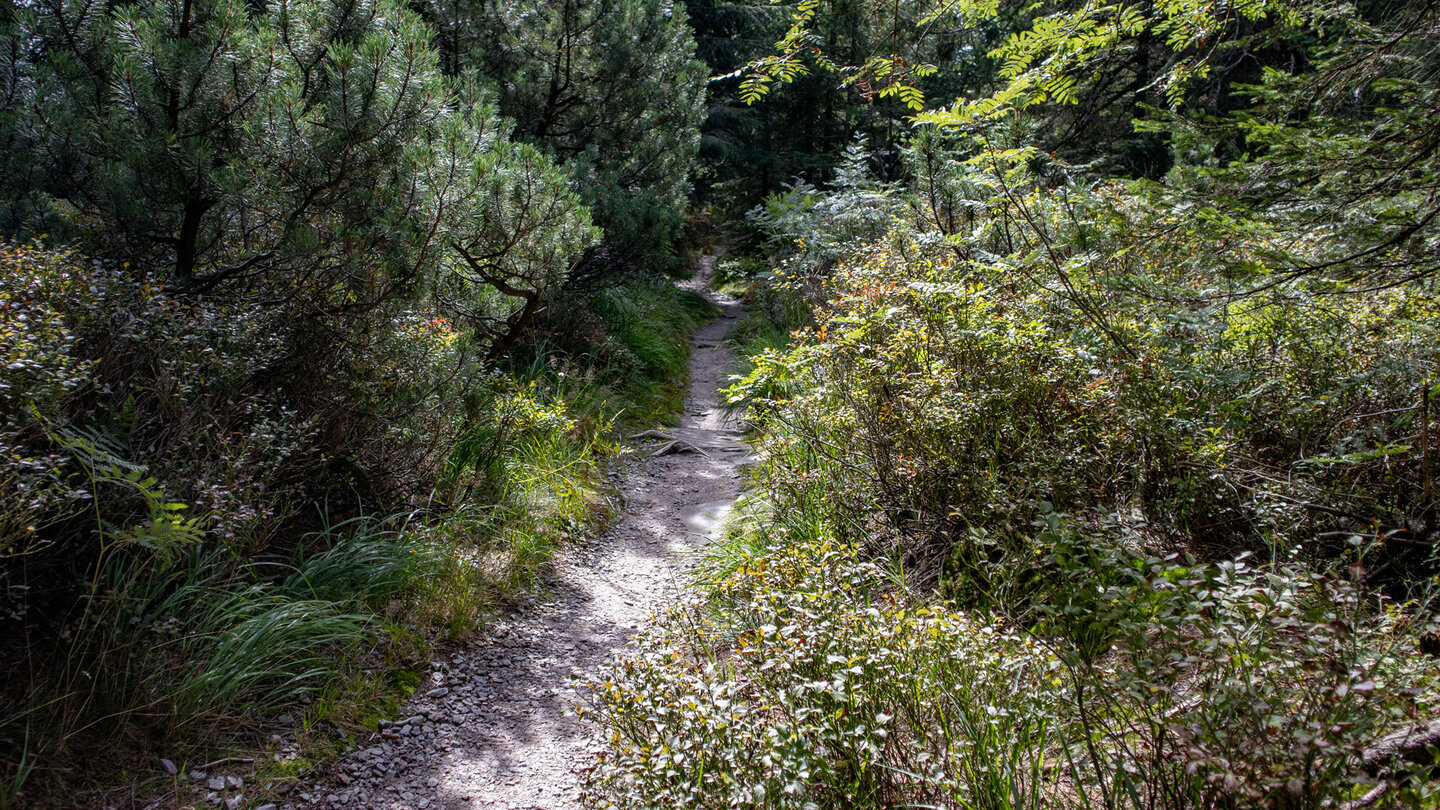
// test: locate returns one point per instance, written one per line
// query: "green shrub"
(810, 230)
(41, 369)
(170, 554)
(817, 686)
(629, 342)
(1199, 491)
(808, 676)
(941, 397)
(739, 270)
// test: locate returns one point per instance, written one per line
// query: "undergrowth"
(805, 674)
(1057, 509)
(621, 349)
(171, 627)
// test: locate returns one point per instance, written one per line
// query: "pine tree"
(610, 88)
(312, 153)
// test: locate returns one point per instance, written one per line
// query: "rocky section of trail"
(495, 725)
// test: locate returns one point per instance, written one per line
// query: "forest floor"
(494, 724)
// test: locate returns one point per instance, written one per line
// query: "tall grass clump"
(526, 473)
(160, 652)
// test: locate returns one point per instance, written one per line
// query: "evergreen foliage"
(609, 88)
(752, 150)
(314, 154)
(270, 281)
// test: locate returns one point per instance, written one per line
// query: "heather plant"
(807, 674)
(816, 682)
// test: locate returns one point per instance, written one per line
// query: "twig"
(1410, 745)
(1376, 793)
(1317, 507)
(1390, 757)
(679, 446)
(226, 761)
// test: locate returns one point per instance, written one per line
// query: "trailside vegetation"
(281, 398)
(1099, 467)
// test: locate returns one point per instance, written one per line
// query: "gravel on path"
(495, 726)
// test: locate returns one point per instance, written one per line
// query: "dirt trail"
(495, 725)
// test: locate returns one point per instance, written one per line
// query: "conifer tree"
(311, 153)
(610, 88)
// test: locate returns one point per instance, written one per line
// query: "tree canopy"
(579, 78)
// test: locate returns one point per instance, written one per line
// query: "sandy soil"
(495, 727)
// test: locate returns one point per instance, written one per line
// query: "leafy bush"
(41, 368)
(949, 404)
(1224, 684)
(1175, 435)
(808, 676)
(817, 686)
(739, 270)
(171, 551)
(940, 401)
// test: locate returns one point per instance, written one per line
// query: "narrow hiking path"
(495, 725)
